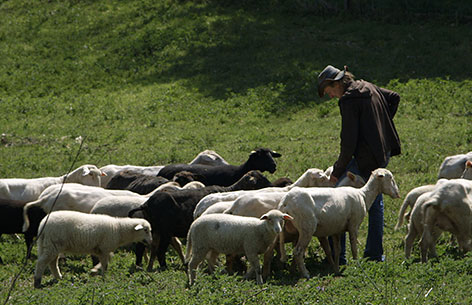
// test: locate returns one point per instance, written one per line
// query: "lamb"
(324, 212)
(11, 221)
(453, 166)
(29, 189)
(448, 208)
(70, 196)
(416, 224)
(119, 206)
(80, 233)
(225, 175)
(311, 177)
(412, 197)
(171, 213)
(230, 234)
(206, 157)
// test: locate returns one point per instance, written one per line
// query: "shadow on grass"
(288, 275)
(232, 49)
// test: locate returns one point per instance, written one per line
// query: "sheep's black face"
(263, 159)
(256, 180)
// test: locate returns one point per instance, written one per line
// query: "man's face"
(334, 90)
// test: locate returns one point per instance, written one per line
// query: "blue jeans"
(374, 244)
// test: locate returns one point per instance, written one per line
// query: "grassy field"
(156, 82)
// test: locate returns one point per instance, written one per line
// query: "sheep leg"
(254, 261)
(327, 250)
(212, 258)
(435, 236)
(54, 267)
(154, 246)
(353, 242)
(139, 253)
(281, 239)
(162, 249)
(337, 250)
(197, 257)
(299, 253)
(177, 245)
(268, 259)
(410, 239)
(426, 241)
(43, 261)
(102, 266)
(95, 260)
(29, 243)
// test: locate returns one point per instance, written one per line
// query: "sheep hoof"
(37, 283)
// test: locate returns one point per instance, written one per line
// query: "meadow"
(156, 82)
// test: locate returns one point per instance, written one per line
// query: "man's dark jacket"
(367, 131)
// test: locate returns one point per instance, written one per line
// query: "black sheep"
(261, 159)
(11, 220)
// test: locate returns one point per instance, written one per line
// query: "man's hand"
(333, 179)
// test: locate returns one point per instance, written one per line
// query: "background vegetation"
(156, 82)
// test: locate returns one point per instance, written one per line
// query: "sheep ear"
(103, 174)
(468, 163)
(86, 171)
(263, 217)
(287, 217)
(275, 154)
(138, 227)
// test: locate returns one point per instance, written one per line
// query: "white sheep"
(218, 208)
(119, 206)
(453, 166)
(29, 189)
(448, 208)
(310, 178)
(416, 225)
(80, 233)
(71, 196)
(258, 203)
(230, 234)
(410, 201)
(412, 197)
(324, 212)
(112, 169)
(174, 186)
(209, 157)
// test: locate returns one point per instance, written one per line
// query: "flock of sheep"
(221, 209)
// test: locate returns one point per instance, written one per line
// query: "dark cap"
(328, 74)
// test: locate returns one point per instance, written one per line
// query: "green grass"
(156, 82)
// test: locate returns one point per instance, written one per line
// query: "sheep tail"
(26, 222)
(432, 202)
(401, 213)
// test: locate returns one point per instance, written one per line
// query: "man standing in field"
(368, 139)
